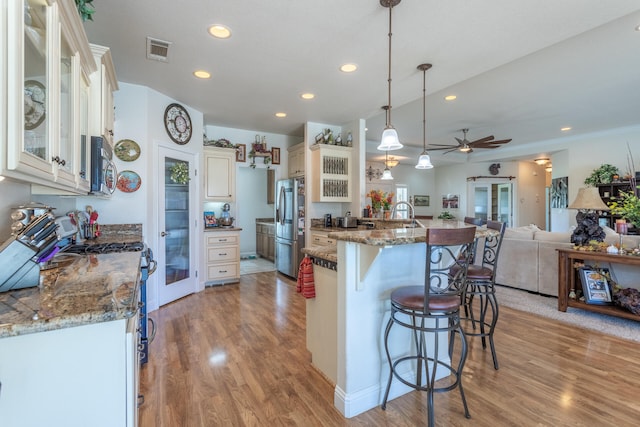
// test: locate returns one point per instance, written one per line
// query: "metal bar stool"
(432, 311)
(481, 286)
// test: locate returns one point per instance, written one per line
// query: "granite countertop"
(383, 236)
(223, 229)
(82, 289)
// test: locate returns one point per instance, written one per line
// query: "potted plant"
(85, 9)
(446, 215)
(602, 175)
(627, 205)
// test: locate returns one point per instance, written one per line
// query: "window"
(402, 192)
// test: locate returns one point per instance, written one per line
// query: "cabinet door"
(219, 175)
(29, 88)
(331, 173)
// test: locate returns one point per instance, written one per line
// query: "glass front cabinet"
(46, 71)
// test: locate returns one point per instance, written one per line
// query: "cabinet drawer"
(222, 253)
(223, 271)
(222, 240)
(322, 240)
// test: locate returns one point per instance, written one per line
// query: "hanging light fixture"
(386, 174)
(389, 139)
(424, 161)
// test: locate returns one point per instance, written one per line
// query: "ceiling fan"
(466, 146)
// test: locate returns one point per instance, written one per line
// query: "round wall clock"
(178, 123)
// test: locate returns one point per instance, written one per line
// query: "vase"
(387, 214)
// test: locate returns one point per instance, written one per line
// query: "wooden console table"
(567, 280)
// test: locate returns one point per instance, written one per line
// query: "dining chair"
(431, 310)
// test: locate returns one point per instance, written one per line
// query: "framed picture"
(241, 153)
(275, 155)
(595, 286)
(450, 201)
(421, 200)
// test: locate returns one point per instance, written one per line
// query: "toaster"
(347, 221)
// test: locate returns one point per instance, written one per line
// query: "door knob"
(163, 234)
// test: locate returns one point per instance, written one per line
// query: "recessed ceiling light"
(219, 31)
(565, 129)
(307, 96)
(348, 68)
(638, 28)
(281, 115)
(201, 74)
(450, 97)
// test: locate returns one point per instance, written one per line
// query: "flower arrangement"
(180, 173)
(627, 205)
(380, 199)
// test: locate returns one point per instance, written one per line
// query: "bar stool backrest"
(449, 252)
(492, 245)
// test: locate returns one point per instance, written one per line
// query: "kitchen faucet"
(411, 210)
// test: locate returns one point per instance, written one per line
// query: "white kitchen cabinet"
(219, 174)
(332, 170)
(296, 160)
(103, 84)
(72, 377)
(222, 257)
(43, 63)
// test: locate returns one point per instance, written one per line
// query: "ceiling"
(520, 69)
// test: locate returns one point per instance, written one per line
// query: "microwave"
(103, 171)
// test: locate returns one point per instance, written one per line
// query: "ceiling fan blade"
(481, 140)
(460, 141)
(454, 149)
(502, 141)
(450, 147)
(486, 146)
(441, 145)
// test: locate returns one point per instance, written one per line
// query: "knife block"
(18, 269)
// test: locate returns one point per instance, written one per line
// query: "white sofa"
(528, 258)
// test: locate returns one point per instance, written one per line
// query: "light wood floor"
(235, 356)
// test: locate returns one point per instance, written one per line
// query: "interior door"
(177, 209)
(491, 201)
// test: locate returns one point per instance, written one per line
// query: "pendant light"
(389, 139)
(386, 174)
(424, 161)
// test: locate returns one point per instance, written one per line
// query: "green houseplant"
(602, 175)
(627, 205)
(85, 9)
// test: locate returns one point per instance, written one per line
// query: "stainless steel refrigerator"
(289, 225)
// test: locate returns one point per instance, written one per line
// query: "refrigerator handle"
(280, 211)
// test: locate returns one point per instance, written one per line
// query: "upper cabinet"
(45, 66)
(296, 160)
(331, 173)
(103, 84)
(219, 174)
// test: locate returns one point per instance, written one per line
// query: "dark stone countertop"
(82, 289)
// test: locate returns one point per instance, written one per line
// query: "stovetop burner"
(105, 248)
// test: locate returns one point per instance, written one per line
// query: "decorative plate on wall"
(127, 150)
(34, 104)
(128, 181)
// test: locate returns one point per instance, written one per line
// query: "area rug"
(548, 307)
(252, 265)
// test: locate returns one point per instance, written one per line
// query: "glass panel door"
(177, 225)
(176, 220)
(66, 136)
(35, 80)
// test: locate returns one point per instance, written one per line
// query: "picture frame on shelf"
(421, 200)
(275, 155)
(241, 153)
(595, 286)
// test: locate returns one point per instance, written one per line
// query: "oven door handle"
(153, 264)
(152, 335)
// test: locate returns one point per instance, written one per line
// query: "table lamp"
(588, 203)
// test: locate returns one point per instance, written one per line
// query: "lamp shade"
(389, 140)
(588, 198)
(424, 162)
(386, 175)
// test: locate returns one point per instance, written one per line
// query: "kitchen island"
(346, 319)
(68, 347)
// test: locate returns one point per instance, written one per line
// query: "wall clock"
(178, 123)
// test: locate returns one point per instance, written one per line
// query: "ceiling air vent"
(157, 50)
